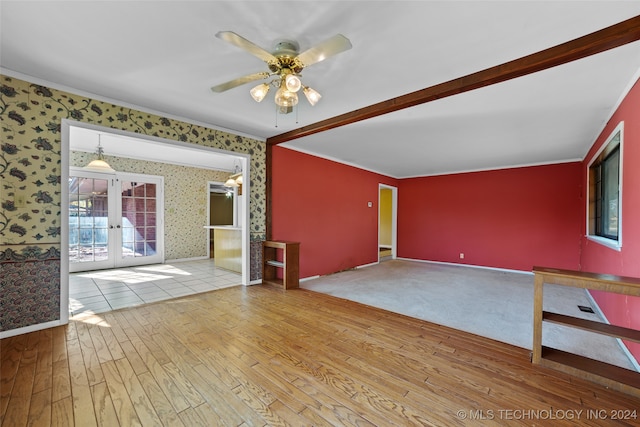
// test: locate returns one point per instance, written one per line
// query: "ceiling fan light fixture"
(286, 62)
(283, 110)
(286, 98)
(312, 95)
(293, 83)
(231, 183)
(259, 92)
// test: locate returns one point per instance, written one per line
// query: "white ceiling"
(163, 57)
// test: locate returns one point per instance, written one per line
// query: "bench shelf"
(284, 256)
(612, 376)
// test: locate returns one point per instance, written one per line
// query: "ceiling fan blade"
(242, 43)
(324, 50)
(239, 81)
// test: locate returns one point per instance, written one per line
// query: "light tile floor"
(105, 290)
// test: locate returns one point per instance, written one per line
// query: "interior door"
(114, 220)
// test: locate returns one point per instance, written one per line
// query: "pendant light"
(99, 164)
(235, 179)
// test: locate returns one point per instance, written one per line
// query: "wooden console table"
(290, 255)
(611, 376)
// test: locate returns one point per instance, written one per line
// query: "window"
(605, 190)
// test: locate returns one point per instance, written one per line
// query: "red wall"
(620, 310)
(511, 218)
(323, 205)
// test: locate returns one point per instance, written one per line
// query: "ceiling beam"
(608, 38)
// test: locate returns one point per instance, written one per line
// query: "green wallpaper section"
(30, 160)
(185, 200)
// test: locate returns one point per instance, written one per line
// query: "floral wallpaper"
(30, 189)
(185, 200)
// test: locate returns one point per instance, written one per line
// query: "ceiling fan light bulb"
(285, 98)
(312, 96)
(259, 92)
(292, 83)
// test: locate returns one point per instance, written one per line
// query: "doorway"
(387, 222)
(115, 220)
(85, 137)
(223, 206)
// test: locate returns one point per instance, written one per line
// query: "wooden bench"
(615, 377)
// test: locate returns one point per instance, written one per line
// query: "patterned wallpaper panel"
(30, 186)
(185, 200)
(30, 156)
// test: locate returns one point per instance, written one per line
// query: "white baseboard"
(198, 258)
(309, 278)
(31, 328)
(506, 270)
(368, 265)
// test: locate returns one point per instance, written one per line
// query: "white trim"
(333, 159)
(196, 258)
(64, 223)
(305, 279)
(613, 110)
(497, 168)
(245, 163)
(624, 348)
(610, 243)
(394, 219)
(507, 270)
(36, 327)
(208, 242)
(367, 265)
(255, 282)
(75, 91)
(455, 172)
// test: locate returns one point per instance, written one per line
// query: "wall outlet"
(461, 255)
(370, 204)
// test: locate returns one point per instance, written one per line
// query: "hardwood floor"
(260, 356)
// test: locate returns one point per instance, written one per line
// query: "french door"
(114, 220)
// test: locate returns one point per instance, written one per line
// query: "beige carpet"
(491, 303)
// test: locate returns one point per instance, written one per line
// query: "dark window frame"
(605, 191)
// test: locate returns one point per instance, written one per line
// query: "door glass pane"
(88, 222)
(138, 218)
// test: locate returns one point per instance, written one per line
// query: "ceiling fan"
(285, 63)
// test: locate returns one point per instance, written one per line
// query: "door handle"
(111, 226)
(117, 226)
